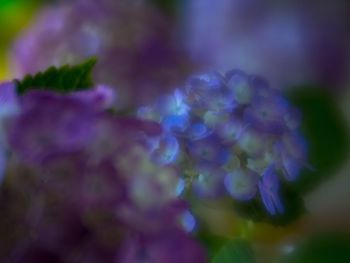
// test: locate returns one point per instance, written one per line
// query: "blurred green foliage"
(325, 128)
(237, 251)
(15, 15)
(211, 242)
(325, 248)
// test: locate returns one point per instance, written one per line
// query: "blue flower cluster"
(234, 135)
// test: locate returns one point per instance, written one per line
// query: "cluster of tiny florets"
(233, 134)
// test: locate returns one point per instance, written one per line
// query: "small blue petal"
(267, 114)
(176, 123)
(241, 184)
(209, 182)
(267, 200)
(238, 84)
(209, 149)
(230, 131)
(198, 131)
(180, 187)
(166, 151)
(252, 142)
(269, 191)
(188, 221)
(270, 179)
(173, 104)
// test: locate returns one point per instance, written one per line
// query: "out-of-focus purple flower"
(85, 183)
(291, 43)
(48, 128)
(161, 249)
(269, 191)
(136, 45)
(102, 96)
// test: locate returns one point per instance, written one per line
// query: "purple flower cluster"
(80, 186)
(135, 44)
(232, 134)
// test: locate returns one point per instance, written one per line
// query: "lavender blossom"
(87, 188)
(52, 130)
(161, 249)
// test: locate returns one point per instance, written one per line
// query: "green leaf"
(237, 251)
(64, 79)
(325, 248)
(211, 242)
(324, 127)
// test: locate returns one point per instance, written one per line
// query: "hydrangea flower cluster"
(233, 133)
(134, 42)
(80, 186)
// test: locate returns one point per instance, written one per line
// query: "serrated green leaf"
(237, 251)
(64, 79)
(325, 129)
